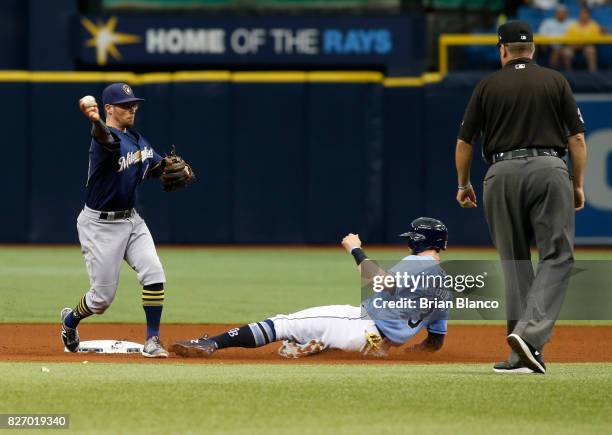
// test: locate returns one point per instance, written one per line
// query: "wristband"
(358, 255)
(467, 186)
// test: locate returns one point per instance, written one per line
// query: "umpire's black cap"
(119, 93)
(514, 31)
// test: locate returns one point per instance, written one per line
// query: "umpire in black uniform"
(528, 119)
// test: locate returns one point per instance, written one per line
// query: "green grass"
(270, 399)
(219, 285)
(205, 285)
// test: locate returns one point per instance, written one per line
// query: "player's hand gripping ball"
(176, 174)
(89, 107)
(88, 101)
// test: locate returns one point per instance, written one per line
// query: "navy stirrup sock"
(252, 335)
(152, 303)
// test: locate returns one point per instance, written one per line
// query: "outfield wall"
(280, 157)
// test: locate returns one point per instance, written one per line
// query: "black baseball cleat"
(199, 348)
(507, 367)
(529, 356)
(70, 336)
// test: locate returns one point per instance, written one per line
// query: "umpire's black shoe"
(507, 367)
(529, 356)
(70, 336)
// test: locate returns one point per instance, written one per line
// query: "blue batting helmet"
(426, 233)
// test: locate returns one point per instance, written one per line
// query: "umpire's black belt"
(114, 215)
(527, 152)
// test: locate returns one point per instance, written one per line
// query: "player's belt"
(114, 215)
(526, 152)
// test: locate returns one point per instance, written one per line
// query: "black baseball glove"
(176, 173)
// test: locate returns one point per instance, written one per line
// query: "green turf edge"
(338, 399)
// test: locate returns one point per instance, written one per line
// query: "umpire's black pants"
(524, 199)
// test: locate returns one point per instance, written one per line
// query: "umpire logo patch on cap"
(127, 89)
(515, 31)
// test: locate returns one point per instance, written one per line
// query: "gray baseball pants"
(105, 243)
(524, 199)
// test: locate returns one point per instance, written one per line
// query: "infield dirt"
(464, 344)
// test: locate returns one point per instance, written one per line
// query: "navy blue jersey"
(116, 170)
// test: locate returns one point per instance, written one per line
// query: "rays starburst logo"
(105, 39)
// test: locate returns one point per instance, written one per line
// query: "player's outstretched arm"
(368, 269)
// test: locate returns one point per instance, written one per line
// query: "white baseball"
(88, 101)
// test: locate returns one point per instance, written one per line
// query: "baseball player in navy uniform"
(110, 230)
(370, 329)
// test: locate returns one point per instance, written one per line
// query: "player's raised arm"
(99, 130)
(367, 268)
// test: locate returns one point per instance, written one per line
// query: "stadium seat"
(603, 16)
(546, 14)
(573, 13)
(531, 15)
(573, 8)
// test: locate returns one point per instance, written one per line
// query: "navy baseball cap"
(119, 93)
(514, 31)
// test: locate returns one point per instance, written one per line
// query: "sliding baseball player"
(384, 319)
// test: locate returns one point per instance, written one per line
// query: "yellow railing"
(219, 76)
(446, 40)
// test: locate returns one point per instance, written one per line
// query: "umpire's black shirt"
(522, 105)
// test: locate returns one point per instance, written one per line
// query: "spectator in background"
(585, 27)
(557, 26)
(546, 5)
